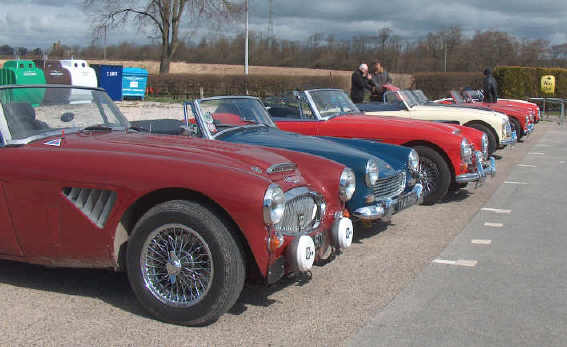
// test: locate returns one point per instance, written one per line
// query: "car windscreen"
(331, 103)
(409, 98)
(219, 114)
(35, 112)
(457, 97)
(420, 96)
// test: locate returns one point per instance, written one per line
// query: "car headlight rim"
(413, 160)
(372, 172)
(466, 151)
(347, 184)
(485, 145)
(274, 204)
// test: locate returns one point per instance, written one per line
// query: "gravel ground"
(95, 307)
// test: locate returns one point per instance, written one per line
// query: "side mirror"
(191, 130)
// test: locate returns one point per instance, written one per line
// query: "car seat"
(21, 120)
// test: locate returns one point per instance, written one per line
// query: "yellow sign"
(548, 84)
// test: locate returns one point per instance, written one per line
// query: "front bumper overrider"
(384, 209)
(483, 168)
(510, 140)
(530, 128)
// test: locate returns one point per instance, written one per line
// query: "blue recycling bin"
(110, 79)
(134, 80)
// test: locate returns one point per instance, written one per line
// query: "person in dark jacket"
(489, 86)
(380, 78)
(360, 83)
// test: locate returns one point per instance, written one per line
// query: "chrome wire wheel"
(428, 175)
(177, 265)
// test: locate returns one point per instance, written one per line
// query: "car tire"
(517, 126)
(176, 248)
(435, 175)
(492, 142)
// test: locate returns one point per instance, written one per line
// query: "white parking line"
(526, 165)
(460, 262)
(481, 242)
(514, 182)
(562, 162)
(496, 210)
(493, 225)
(536, 153)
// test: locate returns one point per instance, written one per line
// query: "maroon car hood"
(175, 147)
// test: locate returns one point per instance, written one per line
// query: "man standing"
(380, 78)
(359, 83)
(489, 86)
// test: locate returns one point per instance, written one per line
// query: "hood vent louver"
(96, 204)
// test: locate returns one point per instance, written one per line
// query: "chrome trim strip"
(281, 167)
(468, 177)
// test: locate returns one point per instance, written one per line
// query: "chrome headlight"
(532, 118)
(347, 184)
(274, 204)
(413, 161)
(527, 120)
(371, 174)
(484, 146)
(466, 151)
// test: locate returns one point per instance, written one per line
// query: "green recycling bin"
(23, 72)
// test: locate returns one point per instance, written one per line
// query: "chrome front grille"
(389, 187)
(303, 212)
(96, 204)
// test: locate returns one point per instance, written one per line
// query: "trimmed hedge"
(437, 85)
(524, 82)
(187, 86)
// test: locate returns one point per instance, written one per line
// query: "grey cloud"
(38, 23)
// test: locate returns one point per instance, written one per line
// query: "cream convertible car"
(495, 125)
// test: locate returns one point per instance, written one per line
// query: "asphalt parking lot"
(353, 300)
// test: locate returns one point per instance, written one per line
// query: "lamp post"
(246, 41)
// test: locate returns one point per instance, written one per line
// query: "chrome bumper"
(482, 169)
(511, 140)
(384, 209)
(530, 129)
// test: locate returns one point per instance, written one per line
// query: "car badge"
(56, 143)
(291, 179)
(300, 221)
(256, 169)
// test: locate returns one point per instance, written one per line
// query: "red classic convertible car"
(447, 158)
(188, 219)
(522, 115)
(478, 95)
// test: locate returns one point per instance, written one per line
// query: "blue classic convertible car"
(383, 185)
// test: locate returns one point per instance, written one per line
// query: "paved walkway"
(503, 280)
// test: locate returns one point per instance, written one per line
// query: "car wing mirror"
(189, 130)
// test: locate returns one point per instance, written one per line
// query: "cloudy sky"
(39, 23)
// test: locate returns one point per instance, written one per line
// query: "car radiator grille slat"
(298, 215)
(96, 204)
(389, 187)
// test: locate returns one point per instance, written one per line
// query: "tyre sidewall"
(492, 145)
(444, 174)
(207, 229)
(518, 126)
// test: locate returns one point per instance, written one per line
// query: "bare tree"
(163, 16)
